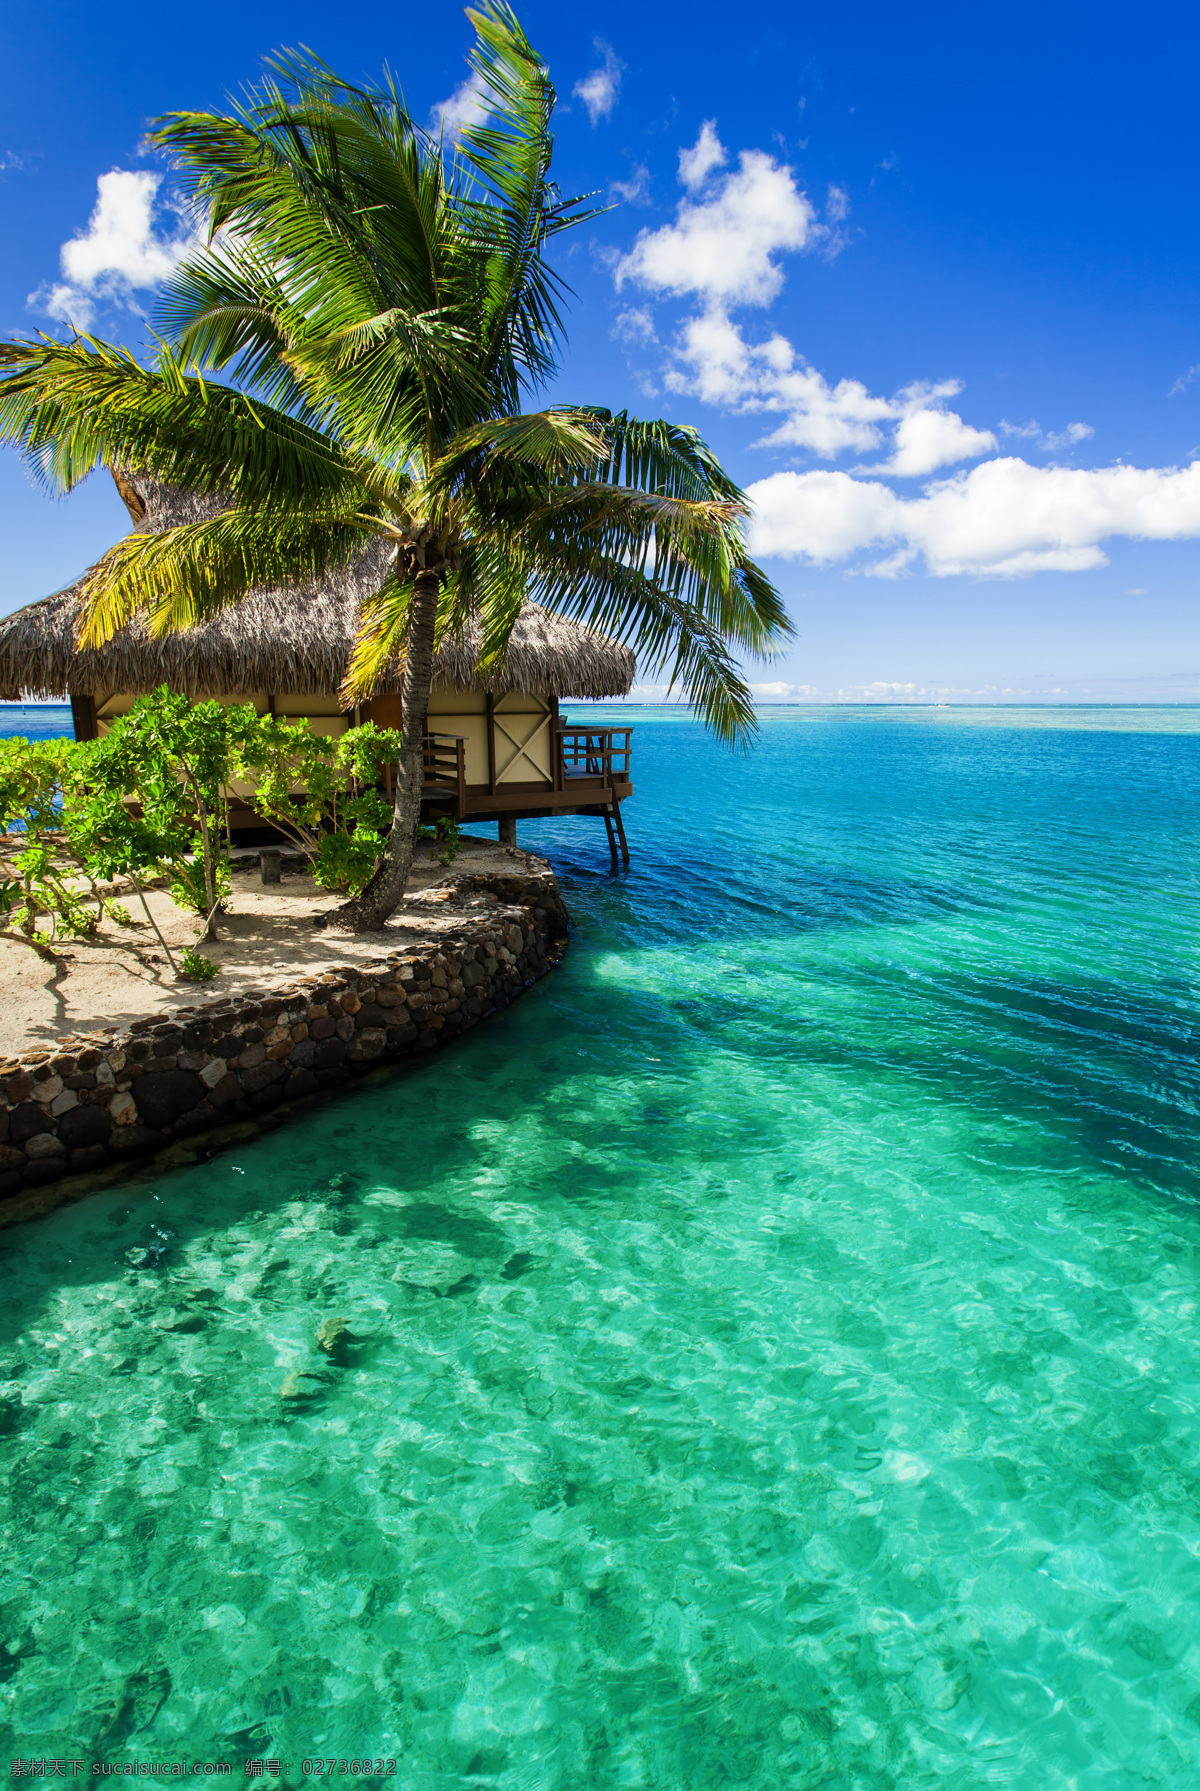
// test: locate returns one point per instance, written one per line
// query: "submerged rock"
(292, 1390)
(334, 1336)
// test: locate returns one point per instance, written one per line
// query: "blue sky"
(925, 277)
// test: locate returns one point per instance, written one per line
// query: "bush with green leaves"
(322, 792)
(150, 800)
(40, 870)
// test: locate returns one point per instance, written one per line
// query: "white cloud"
(1184, 381)
(725, 249)
(929, 436)
(467, 105)
(634, 190)
(635, 325)
(782, 692)
(706, 153)
(1005, 518)
(599, 90)
(1050, 441)
(119, 254)
(713, 361)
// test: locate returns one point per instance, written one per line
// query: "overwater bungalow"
(496, 746)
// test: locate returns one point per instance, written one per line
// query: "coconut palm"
(379, 306)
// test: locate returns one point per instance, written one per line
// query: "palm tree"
(378, 306)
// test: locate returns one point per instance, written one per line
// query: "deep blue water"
(777, 1355)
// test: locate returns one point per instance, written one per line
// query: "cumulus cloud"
(779, 691)
(598, 90)
(467, 105)
(120, 254)
(928, 435)
(712, 360)
(706, 153)
(725, 249)
(1003, 519)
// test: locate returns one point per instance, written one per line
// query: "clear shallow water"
(776, 1356)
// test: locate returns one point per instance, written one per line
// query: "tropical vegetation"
(379, 303)
(149, 803)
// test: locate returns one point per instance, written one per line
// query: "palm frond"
(71, 407)
(184, 575)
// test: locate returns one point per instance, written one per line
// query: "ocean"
(773, 1352)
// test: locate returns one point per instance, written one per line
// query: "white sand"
(266, 938)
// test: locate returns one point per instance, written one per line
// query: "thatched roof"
(281, 641)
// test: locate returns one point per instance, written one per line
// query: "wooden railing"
(444, 769)
(595, 753)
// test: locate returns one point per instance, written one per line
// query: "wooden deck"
(590, 775)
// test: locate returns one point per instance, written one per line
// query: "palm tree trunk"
(382, 896)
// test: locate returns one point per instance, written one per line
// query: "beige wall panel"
(473, 729)
(307, 702)
(450, 701)
(464, 712)
(523, 726)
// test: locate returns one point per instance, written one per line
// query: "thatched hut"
(497, 749)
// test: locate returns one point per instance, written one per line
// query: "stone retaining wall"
(106, 1099)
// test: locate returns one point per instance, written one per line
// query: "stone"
(197, 1120)
(19, 1088)
(350, 1003)
(64, 1102)
(333, 1078)
(87, 1158)
(227, 1089)
(472, 976)
(44, 1144)
(81, 1081)
(135, 1141)
(324, 1028)
(164, 1097)
(85, 1126)
(300, 1083)
(366, 1045)
(370, 1014)
(265, 1099)
(10, 1183)
(27, 1120)
(251, 1057)
(213, 1072)
(258, 1079)
(327, 1053)
(40, 1175)
(303, 1056)
(11, 1157)
(123, 1108)
(45, 1090)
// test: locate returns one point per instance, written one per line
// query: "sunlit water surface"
(775, 1355)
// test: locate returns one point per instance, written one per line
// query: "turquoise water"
(775, 1357)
